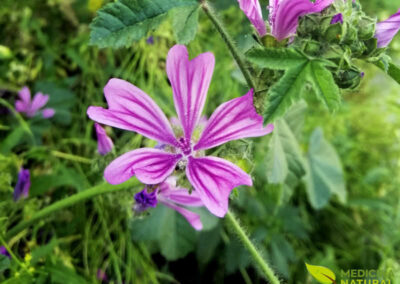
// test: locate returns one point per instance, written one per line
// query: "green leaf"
(321, 274)
(276, 58)
(184, 23)
(120, 23)
(324, 86)
(173, 234)
(286, 91)
(324, 174)
(394, 72)
(4, 262)
(284, 154)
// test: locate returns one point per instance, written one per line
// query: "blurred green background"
(44, 45)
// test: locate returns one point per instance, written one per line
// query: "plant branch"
(263, 265)
(209, 11)
(70, 201)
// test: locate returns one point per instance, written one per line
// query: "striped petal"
(233, 120)
(191, 217)
(252, 9)
(288, 12)
(150, 166)
(213, 179)
(386, 30)
(169, 191)
(190, 80)
(130, 108)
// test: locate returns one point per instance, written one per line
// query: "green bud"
(334, 33)
(312, 47)
(308, 25)
(366, 28)
(348, 79)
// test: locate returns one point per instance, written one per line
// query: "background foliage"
(326, 185)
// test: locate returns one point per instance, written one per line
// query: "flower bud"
(349, 79)
(367, 27)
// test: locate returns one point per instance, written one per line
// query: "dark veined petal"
(150, 166)
(190, 80)
(233, 120)
(252, 9)
(104, 143)
(191, 217)
(130, 108)
(213, 179)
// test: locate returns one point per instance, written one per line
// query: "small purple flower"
(31, 107)
(386, 30)
(283, 14)
(101, 275)
(104, 143)
(131, 109)
(4, 251)
(338, 18)
(168, 194)
(150, 40)
(21, 190)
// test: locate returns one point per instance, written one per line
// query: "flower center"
(186, 146)
(145, 199)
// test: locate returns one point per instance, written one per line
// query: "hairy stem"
(263, 265)
(70, 201)
(209, 11)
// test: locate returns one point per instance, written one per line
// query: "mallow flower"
(172, 196)
(386, 30)
(104, 143)
(130, 108)
(4, 251)
(283, 15)
(30, 107)
(21, 189)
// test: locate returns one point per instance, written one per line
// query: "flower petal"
(190, 81)
(48, 112)
(39, 101)
(104, 143)
(233, 120)
(151, 166)
(252, 10)
(213, 179)
(21, 189)
(180, 196)
(25, 95)
(191, 217)
(286, 17)
(386, 30)
(130, 108)
(21, 106)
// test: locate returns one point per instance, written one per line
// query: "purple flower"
(386, 30)
(101, 275)
(131, 109)
(252, 10)
(32, 107)
(173, 197)
(104, 143)
(150, 40)
(4, 251)
(21, 190)
(338, 18)
(283, 14)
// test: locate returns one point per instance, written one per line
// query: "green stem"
(71, 157)
(209, 11)
(69, 201)
(113, 254)
(263, 265)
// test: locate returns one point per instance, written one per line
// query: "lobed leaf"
(125, 21)
(324, 174)
(276, 58)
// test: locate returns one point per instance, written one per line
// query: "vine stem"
(212, 15)
(240, 232)
(70, 201)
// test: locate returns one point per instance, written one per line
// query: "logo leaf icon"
(321, 274)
